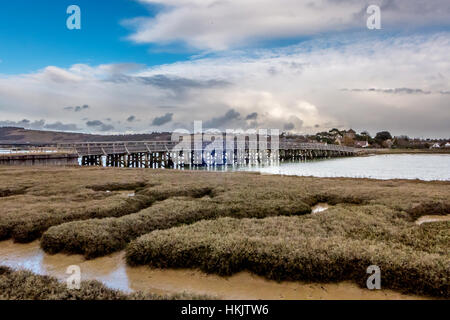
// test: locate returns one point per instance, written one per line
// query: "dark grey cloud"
(398, 91)
(59, 126)
(97, 124)
(168, 107)
(252, 116)
(94, 123)
(295, 65)
(121, 68)
(175, 84)
(9, 123)
(172, 82)
(84, 107)
(159, 121)
(273, 71)
(25, 123)
(131, 118)
(289, 126)
(37, 124)
(220, 122)
(107, 127)
(391, 90)
(77, 108)
(40, 125)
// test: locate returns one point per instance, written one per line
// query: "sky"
(302, 66)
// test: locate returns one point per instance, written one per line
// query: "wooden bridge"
(157, 154)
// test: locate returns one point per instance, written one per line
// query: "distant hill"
(13, 135)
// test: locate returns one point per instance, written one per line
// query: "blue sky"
(155, 65)
(33, 35)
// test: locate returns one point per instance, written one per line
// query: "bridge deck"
(112, 148)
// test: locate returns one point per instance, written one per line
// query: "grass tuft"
(119, 186)
(334, 248)
(99, 237)
(24, 285)
(429, 208)
(224, 222)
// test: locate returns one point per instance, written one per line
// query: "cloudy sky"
(156, 65)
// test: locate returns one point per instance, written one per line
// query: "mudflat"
(236, 225)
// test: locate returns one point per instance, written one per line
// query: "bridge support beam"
(159, 155)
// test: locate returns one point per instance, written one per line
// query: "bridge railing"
(315, 146)
(98, 148)
(106, 148)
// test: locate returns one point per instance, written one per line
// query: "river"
(114, 273)
(425, 167)
(393, 166)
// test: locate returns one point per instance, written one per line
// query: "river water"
(394, 166)
(426, 167)
(116, 274)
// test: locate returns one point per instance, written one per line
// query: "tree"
(402, 142)
(335, 131)
(382, 136)
(403, 137)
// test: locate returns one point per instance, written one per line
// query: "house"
(338, 139)
(388, 143)
(435, 146)
(447, 145)
(361, 144)
(350, 134)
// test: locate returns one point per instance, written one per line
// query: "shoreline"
(403, 151)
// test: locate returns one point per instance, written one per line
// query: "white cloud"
(298, 86)
(223, 24)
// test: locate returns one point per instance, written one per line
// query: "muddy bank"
(114, 273)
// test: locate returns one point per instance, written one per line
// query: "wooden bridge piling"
(160, 154)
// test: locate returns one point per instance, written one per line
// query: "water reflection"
(392, 166)
(398, 166)
(320, 207)
(114, 273)
(429, 219)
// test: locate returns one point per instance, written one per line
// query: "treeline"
(364, 139)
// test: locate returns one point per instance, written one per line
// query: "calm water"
(393, 166)
(116, 274)
(13, 151)
(400, 166)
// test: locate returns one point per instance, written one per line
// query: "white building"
(435, 146)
